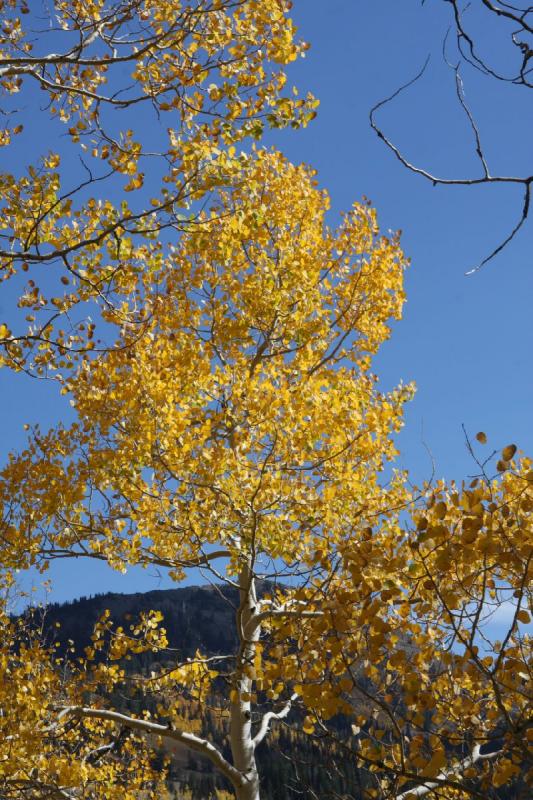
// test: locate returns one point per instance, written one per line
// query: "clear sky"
(465, 341)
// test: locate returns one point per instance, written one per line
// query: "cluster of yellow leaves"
(43, 755)
(213, 71)
(116, 643)
(242, 413)
(406, 644)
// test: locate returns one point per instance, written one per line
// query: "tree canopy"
(153, 97)
(229, 421)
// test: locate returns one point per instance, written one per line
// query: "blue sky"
(465, 341)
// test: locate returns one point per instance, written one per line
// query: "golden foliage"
(154, 98)
(231, 421)
(44, 755)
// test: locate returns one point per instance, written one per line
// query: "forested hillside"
(195, 617)
(199, 618)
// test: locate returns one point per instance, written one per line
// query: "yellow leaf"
(308, 725)
(508, 452)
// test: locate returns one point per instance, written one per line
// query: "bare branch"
(523, 218)
(269, 717)
(509, 12)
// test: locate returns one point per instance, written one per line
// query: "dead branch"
(468, 53)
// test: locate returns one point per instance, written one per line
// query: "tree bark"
(242, 743)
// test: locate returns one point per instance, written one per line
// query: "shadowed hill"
(195, 617)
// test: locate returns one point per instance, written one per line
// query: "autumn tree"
(229, 422)
(241, 433)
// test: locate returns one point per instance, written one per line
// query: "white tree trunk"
(242, 773)
(250, 791)
(242, 744)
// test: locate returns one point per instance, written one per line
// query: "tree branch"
(428, 786)
(525, 181)
(269, 717)
(281, 611)
(191, 741)
(53, 554)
